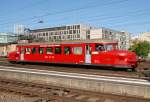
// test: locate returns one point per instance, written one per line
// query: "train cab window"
(109, 47)
(49, 50)
(99, 47)
(28, 50)
(57, 50)
(33, 50)
(77, 50)
(41, 50)
(67, 50)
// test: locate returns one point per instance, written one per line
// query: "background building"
(6, 48)
(81, 32)
(68, 32)
(6, 38)
(144, 36)
(123, 38)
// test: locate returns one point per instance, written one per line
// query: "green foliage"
(141, 48)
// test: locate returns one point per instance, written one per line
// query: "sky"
(123, 15)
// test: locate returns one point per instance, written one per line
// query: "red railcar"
(87, 53)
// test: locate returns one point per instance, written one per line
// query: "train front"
(125, 59)
(120, 58)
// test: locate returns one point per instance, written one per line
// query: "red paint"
(113, 57)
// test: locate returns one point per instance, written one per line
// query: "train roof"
(72, 42)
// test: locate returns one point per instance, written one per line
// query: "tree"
(141, 48)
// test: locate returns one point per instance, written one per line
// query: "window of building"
(78, 36)
(28, 50)
(67, 50)
(77, 50)
(41, 50)
(110, 33)
(78, 31)
(57, 50)
(75, 26)
(71, 36)
(33, 50)
(106, 32)
(70, 31)
(88, 36)
(78, 26)
(88, 32)
(74, 31)
(59, 37)
(67, 32)
(55, 33)
(68, 27)
(54, 37)
(46, 34)
(74, 36)
(68, 37)
(64, 32)
(49, 50)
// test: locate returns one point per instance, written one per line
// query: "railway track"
(43, 93)
(93, 83)
(47, 93)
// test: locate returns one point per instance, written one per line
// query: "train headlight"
(126, 59)
(122, 54)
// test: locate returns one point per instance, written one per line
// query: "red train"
(97, 53)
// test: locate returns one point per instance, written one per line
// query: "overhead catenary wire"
(61, 12)
(91, 19)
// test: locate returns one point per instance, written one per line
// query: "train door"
(22, 54)
(88, 54)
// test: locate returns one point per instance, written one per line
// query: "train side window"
(99, 47)
(57, 50)
(22, 50)
(67, 50)
(41, 50)
(33, 50)
(77, 50)
(49, 50)
(28, 50)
